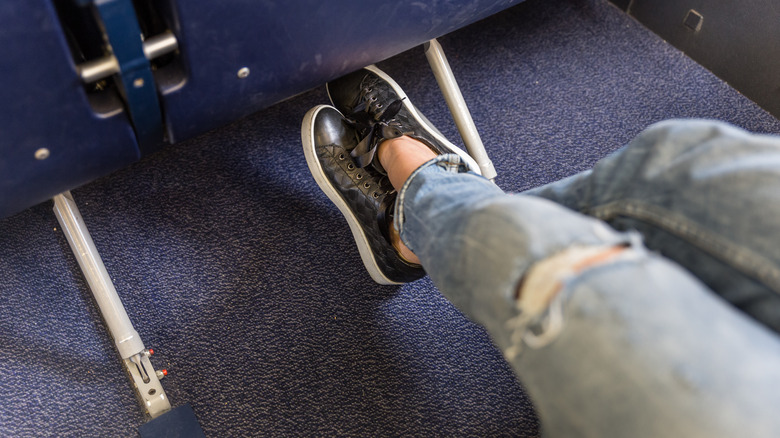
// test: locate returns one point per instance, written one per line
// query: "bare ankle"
(403, 251)
(401, 156)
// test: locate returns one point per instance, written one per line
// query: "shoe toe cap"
(342, 91)
(330, 128)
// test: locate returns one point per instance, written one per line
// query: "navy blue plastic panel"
(43, 105)
(291, 46)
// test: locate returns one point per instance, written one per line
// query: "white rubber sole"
(366, 255)
(421, 119)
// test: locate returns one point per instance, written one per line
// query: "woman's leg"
(702, 193)
(624, 345)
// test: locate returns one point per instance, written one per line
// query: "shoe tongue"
(378, 167)
(375, 130)
(365, 157)
(364, 152)
(390, 111)
(390, 131)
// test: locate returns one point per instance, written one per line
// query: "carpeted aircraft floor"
(239, 272)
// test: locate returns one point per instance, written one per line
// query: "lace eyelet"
(372, 98)
(359, 176)
(375, 195)
(379, 106)
(351, 166)
(366, 185)
(341, 156)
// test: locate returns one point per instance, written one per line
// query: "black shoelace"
(373, 129)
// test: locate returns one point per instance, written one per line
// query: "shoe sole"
(366, 254)
(421, 119)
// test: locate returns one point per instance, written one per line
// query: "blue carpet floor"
(239, 272)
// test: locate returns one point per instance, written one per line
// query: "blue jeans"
(671, 337)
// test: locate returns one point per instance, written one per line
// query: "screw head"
(243, 72)
(42, 154)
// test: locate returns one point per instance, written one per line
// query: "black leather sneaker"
(364, 196)
(379, 109)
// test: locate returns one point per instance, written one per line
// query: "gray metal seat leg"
(460, 112)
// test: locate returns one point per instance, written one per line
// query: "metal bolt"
(243, 72)
(42, 154)
(138, 83)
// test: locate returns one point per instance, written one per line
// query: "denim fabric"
(647, 351)
(476, 242)
(646, 348)
(704, 194)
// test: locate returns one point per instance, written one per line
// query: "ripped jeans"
(676, 335)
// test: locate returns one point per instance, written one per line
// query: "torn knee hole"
(540, 319)
(545, 278)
